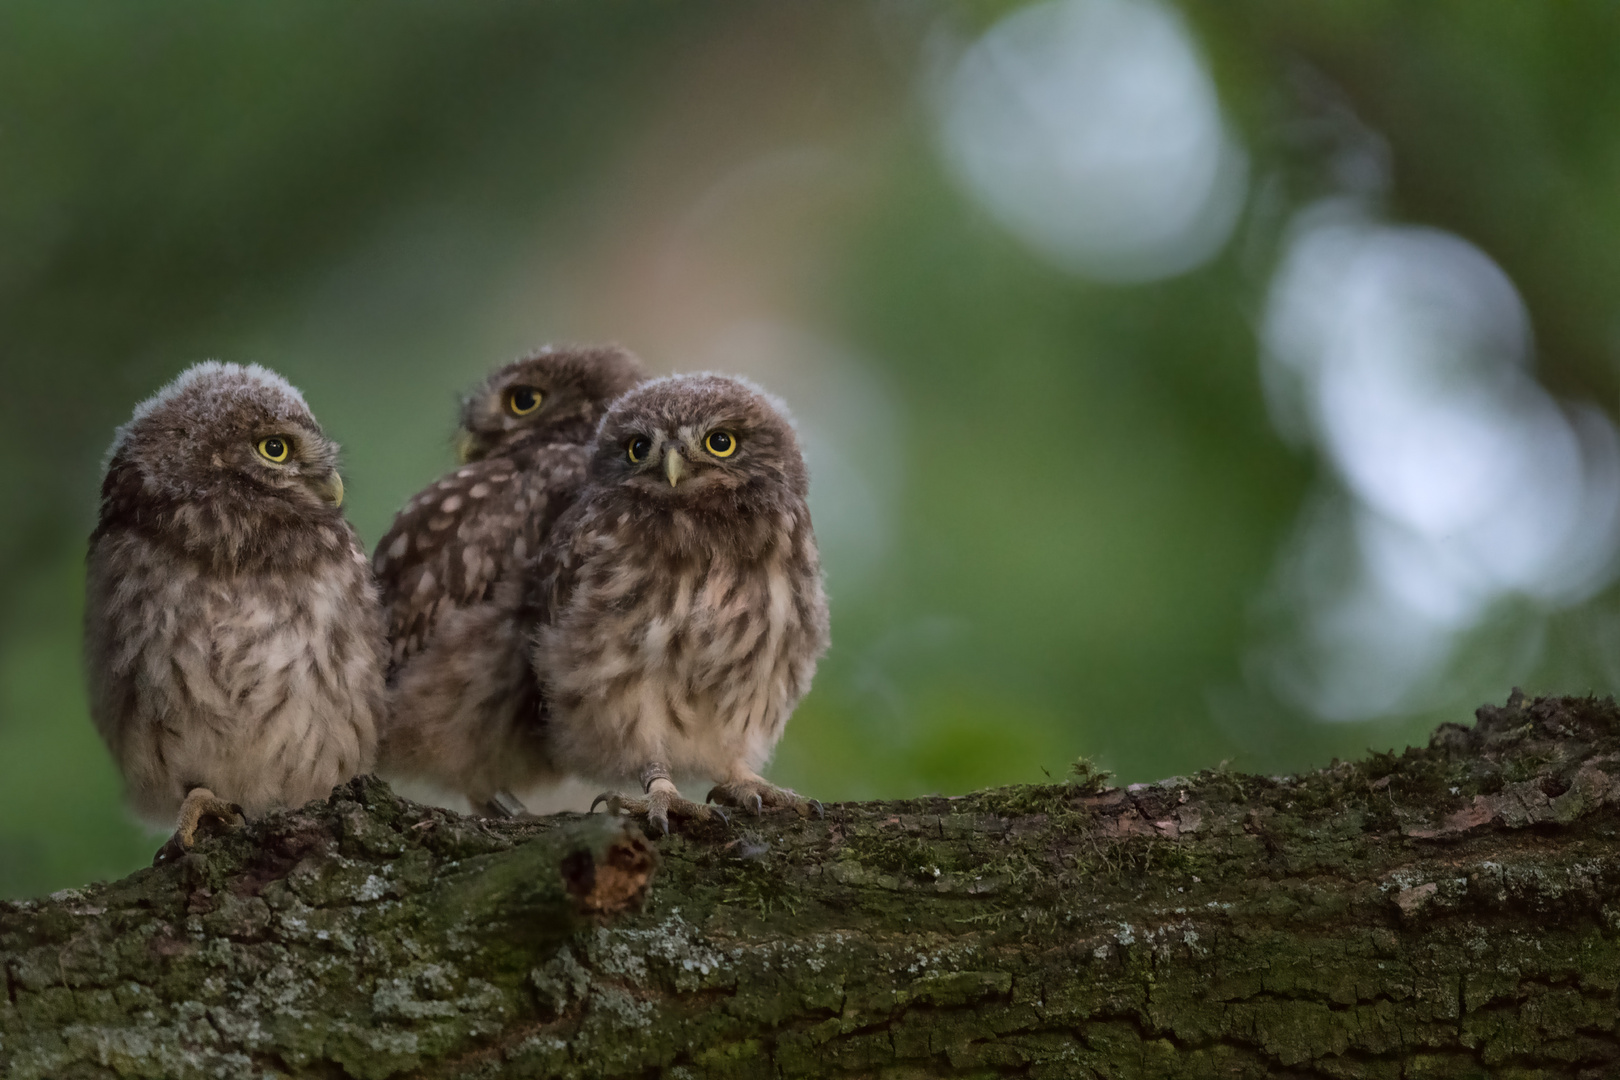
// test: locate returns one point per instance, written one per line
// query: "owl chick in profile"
(681, 610)
(232, 632)
(464, 705)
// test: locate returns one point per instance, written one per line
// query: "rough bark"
(1451, 912)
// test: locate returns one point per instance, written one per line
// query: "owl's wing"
(551, 579)
(452, 543)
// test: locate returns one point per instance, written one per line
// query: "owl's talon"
(201, 812)
(170, 851)
(657, 807)
(622, 804)
(756, 796)
(821, 811)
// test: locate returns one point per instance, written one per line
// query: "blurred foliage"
(382, 201)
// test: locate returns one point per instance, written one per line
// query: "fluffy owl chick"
(232, 632)
(681, 611)
(464, 706)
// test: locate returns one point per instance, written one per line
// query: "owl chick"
(465, 709)
(232, 632)
(681, 610)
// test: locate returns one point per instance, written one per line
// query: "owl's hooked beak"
(674, 466)
(464, 446)
(330, 488)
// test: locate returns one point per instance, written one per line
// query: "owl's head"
(225, 440)
(557, 395)
(695, 439)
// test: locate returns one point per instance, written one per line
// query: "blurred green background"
(1227, 383)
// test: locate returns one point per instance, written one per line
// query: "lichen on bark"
(1450, 912)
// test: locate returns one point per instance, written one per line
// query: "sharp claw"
(709, 798)
(170, 851)
(598, 801)
(821, 811)
(722, 815)
(759, 805)
(663, 823)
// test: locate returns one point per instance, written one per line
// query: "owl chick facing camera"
(680, 607)
(233, 637)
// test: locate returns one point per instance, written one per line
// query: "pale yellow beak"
(464, 446)
(330, 488)
(674, 466)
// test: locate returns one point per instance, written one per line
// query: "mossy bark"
(1452, 912)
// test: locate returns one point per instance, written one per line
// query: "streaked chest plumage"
(688, 652)
(264, 685)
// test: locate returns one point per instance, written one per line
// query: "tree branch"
(1451, 912)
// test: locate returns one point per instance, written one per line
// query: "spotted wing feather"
(454, 542)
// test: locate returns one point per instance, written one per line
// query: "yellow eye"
(275, 449)
(720, 443)
(523, 400)
(638, 448)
